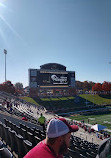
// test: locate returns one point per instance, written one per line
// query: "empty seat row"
(83, 148)
(34, 137)
(34, 131)
(24, 130)
(4, 152)
(15, 141)
(31, 129)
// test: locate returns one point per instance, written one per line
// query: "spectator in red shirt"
(24, 118)
(57, 140)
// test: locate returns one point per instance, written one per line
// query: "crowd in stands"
(101, 134)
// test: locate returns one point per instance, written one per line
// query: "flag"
(5, 51)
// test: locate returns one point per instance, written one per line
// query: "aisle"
(90, 137)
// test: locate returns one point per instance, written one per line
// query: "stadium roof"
(55, 66)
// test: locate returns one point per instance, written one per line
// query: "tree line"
(104, 87)
(82, 86)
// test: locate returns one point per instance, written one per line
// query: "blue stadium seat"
(1, 144)
(73, 153)
(27, 146)
(24, 133)
(13, 140)
(18, 130)
(1, 130)
(6, 133)
(20, 146)
(37, 139)
(5, 153)
(31, 138)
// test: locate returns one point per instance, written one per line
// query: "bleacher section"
(20, 139)
(17, 137)
(20, 107)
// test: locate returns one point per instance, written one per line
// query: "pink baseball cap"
(58, 127)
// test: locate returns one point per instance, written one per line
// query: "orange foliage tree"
(97, 87)
(7, 87)
(106, 86)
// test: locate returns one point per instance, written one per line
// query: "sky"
(74, 33)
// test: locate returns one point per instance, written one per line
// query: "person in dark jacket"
(104, 150)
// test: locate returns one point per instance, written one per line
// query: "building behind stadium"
(51, 79)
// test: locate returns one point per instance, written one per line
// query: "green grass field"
(30, 100)
(45, 99)
(99, 119)
(96, 99)
(92, 99)
(104, 119)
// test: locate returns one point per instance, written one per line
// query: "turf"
(31, 100)
(96, 99)
(93, 119)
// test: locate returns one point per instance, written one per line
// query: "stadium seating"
(20, 147)
(30, 137)
(27, 145)
(1, 144)
(18, 137)
(20, 140)
(5, 153)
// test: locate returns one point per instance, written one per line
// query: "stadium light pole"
(5, 52)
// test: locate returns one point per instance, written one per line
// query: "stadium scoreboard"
(51, 76)
(48, 78)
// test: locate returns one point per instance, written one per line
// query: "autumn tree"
(106, 86)
(91, 84)
(18, 85)
(19, 88)
(79, 85)
(7, 87)
(97, 87)
(85, 86)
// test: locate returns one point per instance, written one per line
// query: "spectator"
(8, 104)
(89, 129)
(24, 118)
(57, 140)
(97, 135)
(85, 128)
(88, 120)
(104, 150)
(41, 121)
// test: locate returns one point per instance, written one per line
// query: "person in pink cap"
(57, 140)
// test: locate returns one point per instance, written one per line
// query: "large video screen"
(51, 79)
